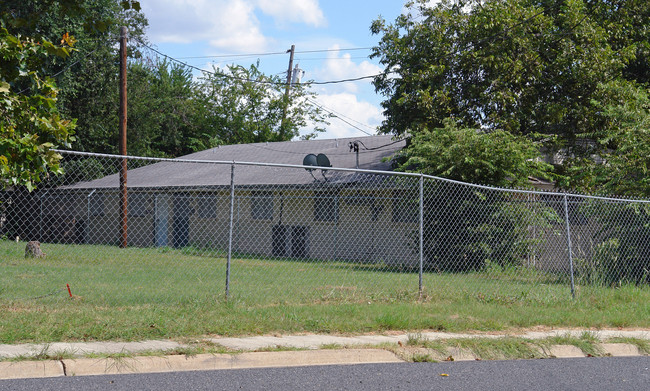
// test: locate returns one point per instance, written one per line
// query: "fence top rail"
(376, 172)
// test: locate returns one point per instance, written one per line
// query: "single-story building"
(278, 211)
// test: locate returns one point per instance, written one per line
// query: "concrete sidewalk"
(318, 350)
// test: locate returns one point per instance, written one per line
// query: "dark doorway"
(181, 223)
(280, 240)
(300, 242)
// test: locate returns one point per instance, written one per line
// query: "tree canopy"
(542, 69)
(497, 158)
(60, 88)
(36, 40)
(246, 106)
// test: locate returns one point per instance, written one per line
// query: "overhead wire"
(341, 119)
(379, 147)
(365, 150)
(255, 80)
(274, 53)
(338, 114)
(335, 114)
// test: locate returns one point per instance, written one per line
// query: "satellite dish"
(310, 160)
(323, 161)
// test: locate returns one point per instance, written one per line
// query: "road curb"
(200, 362)
(67, 359)
(30, 369)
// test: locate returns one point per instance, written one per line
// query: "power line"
(379, 147)
(365, 150)
(212, 73)
(336, 116)
(331, 58)
(274, 53)
(345, 80)
(254, 80)
(233, 55)
(332, 50)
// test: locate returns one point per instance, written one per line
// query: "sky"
(332, 42)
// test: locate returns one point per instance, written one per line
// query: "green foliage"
(32, 113)
(622, 163)
(30, 124)
(165, 116)
(245, 106)
(469, 155)
(467, 229)
(621, 253)
(566, 73)
(524, 66)
(170, 113)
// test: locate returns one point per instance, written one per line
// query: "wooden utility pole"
(292, 51)
(123, 168)
(283, 125)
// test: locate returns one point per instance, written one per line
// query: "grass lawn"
(133, 294)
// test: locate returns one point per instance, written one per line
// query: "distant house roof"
(372, 151)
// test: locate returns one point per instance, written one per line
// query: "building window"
(138, 204)
(206, 207)
(262, 205)
(325, 206)
(406, 207)
(96, 204)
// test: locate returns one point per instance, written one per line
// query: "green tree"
(622, 164)
(465, 227)
(32, 107)
(88, 79)
(527, 67)
(165, 111)
(243, 105)
(30, 125)
(468, 155)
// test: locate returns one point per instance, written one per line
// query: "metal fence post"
(86, 234)
(568, 238)
(232, 210)
(40, 224)
(421, 233)
(40, 219)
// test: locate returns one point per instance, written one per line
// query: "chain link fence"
(269, 233)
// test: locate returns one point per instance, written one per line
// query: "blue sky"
(196, 28)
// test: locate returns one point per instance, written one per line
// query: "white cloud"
(341, 67)
(349, 109)
(295, 11)
(345, 99)
(226, 24)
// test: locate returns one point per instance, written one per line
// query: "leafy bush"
(621, 253)
(466, 228)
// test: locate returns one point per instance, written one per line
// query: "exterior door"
(162, 218)
(300, 242)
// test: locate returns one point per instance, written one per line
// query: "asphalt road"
(623, 373)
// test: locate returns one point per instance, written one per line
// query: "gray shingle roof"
(166, 174)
